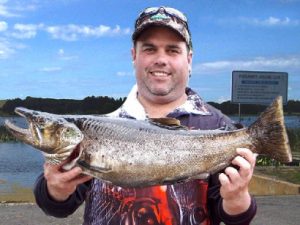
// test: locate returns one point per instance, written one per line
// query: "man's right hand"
(61, 184)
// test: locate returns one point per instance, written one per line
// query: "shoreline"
(17, 194)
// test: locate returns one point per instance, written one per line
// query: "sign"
(258, 87)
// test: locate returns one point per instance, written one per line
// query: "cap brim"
(141, 29)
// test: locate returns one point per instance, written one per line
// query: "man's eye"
(148, 49)
(174, 51)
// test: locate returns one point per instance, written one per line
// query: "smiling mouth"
(159, 74)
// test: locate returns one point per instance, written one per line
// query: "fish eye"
(68, 130)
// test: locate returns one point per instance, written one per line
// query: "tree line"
(88, 105)
(105, 104)
(228, 108)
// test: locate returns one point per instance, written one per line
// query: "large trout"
(132, 153)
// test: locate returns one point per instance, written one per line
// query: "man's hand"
(234, 183)
(61, 184)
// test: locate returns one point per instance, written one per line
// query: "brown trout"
(132, 153)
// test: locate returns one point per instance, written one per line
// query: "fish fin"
(167, 122)
(97, 169)
(269, 133)
(201, 176)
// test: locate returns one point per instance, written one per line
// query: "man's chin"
(160, 92)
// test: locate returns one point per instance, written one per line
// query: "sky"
(78, 48)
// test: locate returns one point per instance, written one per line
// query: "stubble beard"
(159, 91)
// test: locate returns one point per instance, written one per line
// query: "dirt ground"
(272, 210)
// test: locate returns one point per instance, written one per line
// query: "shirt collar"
(132, 108)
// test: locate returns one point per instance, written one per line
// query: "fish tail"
(270, 134)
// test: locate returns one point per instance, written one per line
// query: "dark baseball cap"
(163, 16)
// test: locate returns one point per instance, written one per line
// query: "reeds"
(5, 136)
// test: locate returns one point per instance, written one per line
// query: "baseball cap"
(163, 16)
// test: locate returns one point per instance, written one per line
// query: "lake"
(20, 164)
(20, 121)
(290, 121)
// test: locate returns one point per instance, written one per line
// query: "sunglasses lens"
(167, 10)
(176, 13)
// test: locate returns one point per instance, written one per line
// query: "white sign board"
(258, 87)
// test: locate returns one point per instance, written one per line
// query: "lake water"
(290, 121)
(20, 164)
(20, 121)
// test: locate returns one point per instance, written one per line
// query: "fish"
(134, 153)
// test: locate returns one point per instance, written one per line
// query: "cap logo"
(160, 16)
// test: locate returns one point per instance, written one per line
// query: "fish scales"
(163, 151)
(132, 153)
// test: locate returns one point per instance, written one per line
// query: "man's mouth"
(159, 73)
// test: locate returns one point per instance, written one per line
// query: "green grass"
(294, 138)
(5, 136)
(288, 174)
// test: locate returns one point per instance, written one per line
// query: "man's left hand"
(234, 182)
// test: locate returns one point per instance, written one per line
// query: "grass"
(5, 136)
(288, 174)
(294, 138)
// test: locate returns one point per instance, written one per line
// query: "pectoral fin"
(168, 123)
(97, 169)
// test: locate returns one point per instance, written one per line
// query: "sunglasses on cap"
(171, 12)
(166, 16)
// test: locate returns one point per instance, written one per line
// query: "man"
(162, 57)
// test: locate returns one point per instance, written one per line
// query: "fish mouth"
(23, 134)
(46, 132)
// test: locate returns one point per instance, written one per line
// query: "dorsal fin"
(168, 123)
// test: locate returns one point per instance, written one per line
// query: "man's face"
(162, 63)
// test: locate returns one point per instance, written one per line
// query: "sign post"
(258, 87)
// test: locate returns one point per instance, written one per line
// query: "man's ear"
(190, 60)
(133, 55)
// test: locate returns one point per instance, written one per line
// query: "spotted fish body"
(133, 153)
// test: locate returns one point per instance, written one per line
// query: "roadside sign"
(258, 87)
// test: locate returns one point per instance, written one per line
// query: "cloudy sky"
(79, 48)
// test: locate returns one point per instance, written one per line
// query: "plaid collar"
(132, 108)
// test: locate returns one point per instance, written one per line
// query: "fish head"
(50, 133)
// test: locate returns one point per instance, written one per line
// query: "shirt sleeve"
(55, 208)
(217, 212)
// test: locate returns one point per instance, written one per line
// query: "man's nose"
(160, 58)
